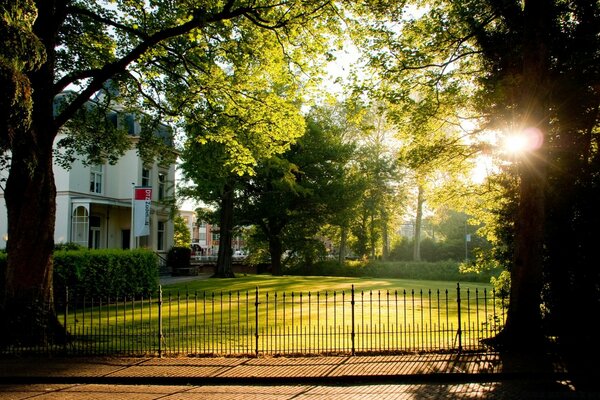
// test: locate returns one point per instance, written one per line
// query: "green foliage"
(501, 283)
(433, 250)
(373, 178)
(437, 271)
(105, 272)
(93, 134)
(257, 246)
(20, 53)
(68, 246)
(182, 235)
(293, 195)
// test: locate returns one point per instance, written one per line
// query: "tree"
(228, 132)
(208, 180)
(520, 60)
(297, 191)
(344, 120)
(85, 44)
(376, 179)
(183, 237)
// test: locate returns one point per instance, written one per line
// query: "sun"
(515, 143)
(529, 139)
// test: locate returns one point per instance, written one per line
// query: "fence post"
(160, 322)
(353, 333)
(256, 320)
(459, 331)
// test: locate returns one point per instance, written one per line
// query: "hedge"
(107, 272)
(436, 271)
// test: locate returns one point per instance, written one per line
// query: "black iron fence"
(257, 323)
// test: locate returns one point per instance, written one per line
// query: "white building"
(94, 203)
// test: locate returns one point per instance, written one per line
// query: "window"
(79, 226)
(94, 238)
(162, 180)
(146, 177)
(96, 179)
(202, 231)
(160, 236)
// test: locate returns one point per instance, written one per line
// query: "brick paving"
(426, 376)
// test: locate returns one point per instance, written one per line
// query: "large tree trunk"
(418, 224)
(30, 197)
(224, 259)
(276, 250)
(523, 329)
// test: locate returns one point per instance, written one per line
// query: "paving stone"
(150, 371)
(278, 371)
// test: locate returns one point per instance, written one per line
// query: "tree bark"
(523, 328)
(343, 243)
(276, 250)
(372, 240)
(30, 197)
(225, 257)
(418, 224)
(385, 237)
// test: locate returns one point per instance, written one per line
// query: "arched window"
(80, 226)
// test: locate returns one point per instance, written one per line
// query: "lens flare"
(528, 139)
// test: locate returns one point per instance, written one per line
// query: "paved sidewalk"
(406, 368)
(468, 374)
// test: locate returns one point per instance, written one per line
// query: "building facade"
(205, 237)
(94, 203)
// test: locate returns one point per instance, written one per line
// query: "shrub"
(102, 272)
(68, 246)
(107, 272)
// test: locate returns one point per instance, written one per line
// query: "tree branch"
(200, 18)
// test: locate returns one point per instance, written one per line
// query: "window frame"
(161, 227)
(96, 178)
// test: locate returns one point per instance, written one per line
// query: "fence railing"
(259, 323)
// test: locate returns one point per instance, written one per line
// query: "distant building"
(205, 236)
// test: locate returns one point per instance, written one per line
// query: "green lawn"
(315, 284)
(292, 315)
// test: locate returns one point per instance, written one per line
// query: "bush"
(108, 272)
(102, 273)
(68, 246)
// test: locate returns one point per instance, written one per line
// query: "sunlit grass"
(313, 284)
(260, 313)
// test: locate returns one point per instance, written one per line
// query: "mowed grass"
(305, 284)
(293, 314)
